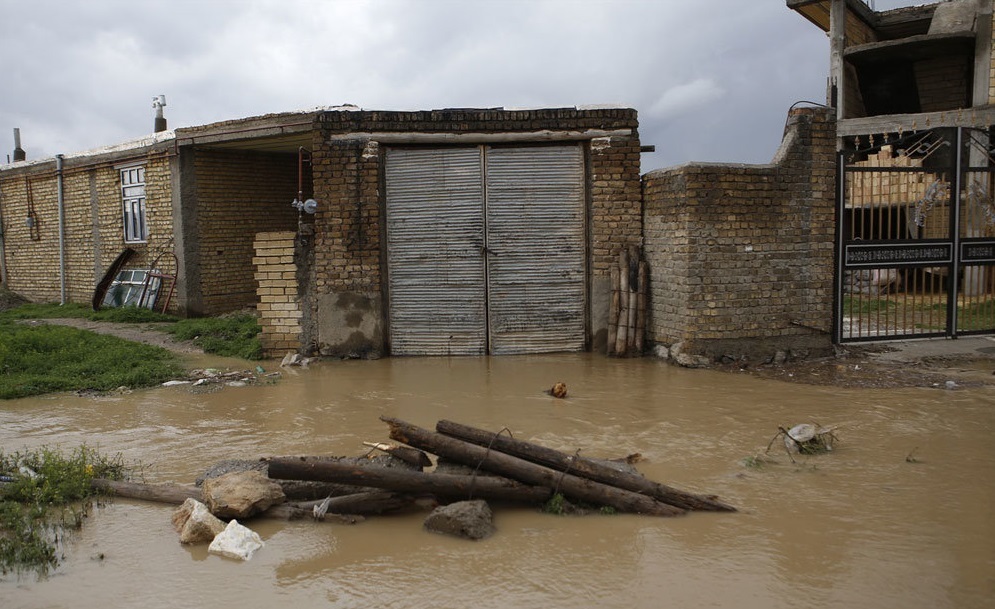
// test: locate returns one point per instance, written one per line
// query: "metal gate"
(916, 237)
(485, 249)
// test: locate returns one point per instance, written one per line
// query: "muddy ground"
(960, 364)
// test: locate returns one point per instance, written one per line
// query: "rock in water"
(241, 494)
(466, 519)
(236, 541)
(195, 523)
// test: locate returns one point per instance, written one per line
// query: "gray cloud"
(712, 81)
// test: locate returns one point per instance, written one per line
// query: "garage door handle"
(485, 250)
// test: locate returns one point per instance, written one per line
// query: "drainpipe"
(62, 228)
(3, 250)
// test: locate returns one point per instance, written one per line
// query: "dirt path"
(146, 333)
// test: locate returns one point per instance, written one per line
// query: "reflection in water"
(860, 527)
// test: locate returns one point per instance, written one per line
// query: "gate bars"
(915, 237)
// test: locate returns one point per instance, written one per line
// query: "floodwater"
(865, 526)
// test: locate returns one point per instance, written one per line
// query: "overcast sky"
(712, 80)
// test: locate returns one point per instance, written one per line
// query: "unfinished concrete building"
(913, 92)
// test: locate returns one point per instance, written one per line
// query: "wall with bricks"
(238, 194)
(741, 257)
(348, 270)
(93, 211)
(278, 299)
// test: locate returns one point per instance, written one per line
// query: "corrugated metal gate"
(485, 249)
(917, 238)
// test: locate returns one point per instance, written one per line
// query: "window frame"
(134, 213)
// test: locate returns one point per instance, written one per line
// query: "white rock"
(236, 541)
(175, 383)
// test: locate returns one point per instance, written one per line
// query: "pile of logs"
(499, 468)
(627, 312)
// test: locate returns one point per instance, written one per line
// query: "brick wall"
(238, 194)
(276, 276)
(943, 83)
(741, 257)
(94, 230)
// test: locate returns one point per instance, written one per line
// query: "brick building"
(439, 232)
(471, 231)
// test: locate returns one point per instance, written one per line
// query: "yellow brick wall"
(277, 292)
(94, 225)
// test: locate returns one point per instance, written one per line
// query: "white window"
(136, 229)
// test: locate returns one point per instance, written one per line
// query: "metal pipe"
(59, 185)
(19, 154)
(3, 252)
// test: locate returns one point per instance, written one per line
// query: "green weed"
(229, 336)
(43, 493)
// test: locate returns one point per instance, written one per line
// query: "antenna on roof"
(159, 102)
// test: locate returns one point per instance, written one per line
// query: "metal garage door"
(485, 250)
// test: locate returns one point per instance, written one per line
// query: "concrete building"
(913, 93)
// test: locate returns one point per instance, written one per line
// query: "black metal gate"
(916, 236)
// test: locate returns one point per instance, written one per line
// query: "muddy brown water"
(861, 527)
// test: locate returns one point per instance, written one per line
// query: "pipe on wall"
(60, 190)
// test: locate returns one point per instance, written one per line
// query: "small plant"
(556, 505)
(43, 493)
(607, 510)
(754, 462)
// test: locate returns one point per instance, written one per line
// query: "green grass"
(119, 314)
(45, 493)
(230, 336)
(860, 305)
(48, 358)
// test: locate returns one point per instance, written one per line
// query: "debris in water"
(559, 390)
(806, 439)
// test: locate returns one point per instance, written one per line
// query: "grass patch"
(43, 359)
(44, 493)
(852, 306)
(76, 310)
(229, 336)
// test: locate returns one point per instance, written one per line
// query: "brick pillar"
(279, 307)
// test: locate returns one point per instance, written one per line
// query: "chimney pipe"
(158, 102)
(19, 154)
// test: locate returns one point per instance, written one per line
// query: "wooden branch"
(404, 453)
(175, 494)
(572, 487)
(582, 467)
(448, 486)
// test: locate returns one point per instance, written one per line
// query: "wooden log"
(582, 467)
(404, 453)
(175, 494)
(357, 504)
(622, 337)
(448, 486)
(160, 493)
(613, 310)
(572, 487)
(641, 298)
(633, 271)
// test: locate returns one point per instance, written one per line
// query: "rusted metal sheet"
(435, 239)
(535, 249)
